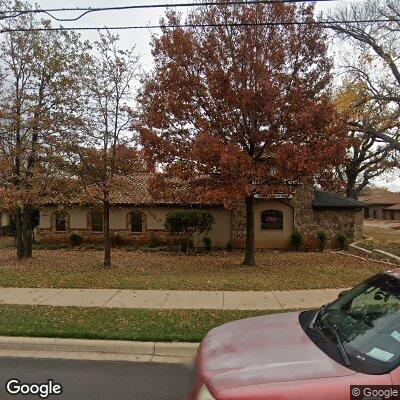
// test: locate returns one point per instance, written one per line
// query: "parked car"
(315, 354)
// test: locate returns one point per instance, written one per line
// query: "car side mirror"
(342, 293)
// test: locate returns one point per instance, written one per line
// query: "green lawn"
(382, 239)
(116, 324)
(214, 271)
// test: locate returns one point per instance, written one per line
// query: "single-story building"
(382, 206)
(392, 213)
(136, 217)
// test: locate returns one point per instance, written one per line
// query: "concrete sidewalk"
(169, 299)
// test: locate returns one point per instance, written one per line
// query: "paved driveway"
(381, 224)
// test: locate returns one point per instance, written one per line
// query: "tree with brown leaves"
(103, 148)
(367, 157)
(39, 98)
(236, 112)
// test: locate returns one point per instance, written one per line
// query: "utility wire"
(323, 24)
(89, 10)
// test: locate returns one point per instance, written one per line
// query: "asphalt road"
(99, 380)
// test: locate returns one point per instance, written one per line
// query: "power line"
(88, 10)
(323, 24)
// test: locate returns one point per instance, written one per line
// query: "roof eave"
(319, 207)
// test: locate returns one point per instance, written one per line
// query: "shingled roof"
(382, 199)
(394, 207)
(125, 190)
(332, 200)
(133, 190)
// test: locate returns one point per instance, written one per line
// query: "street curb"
(101, 350)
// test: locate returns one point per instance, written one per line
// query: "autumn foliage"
(234, 111)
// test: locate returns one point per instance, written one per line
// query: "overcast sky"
(140, 39)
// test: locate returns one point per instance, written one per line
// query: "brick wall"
(50, 235)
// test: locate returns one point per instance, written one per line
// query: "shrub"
(75, 239)
(207, 244)
(94, 246)
(51, 246)
(322, 237)
(189, 224)
(185, 243)
(296, 239)
(149, 249)
(131, 247)
(229, 246)
(155, 240)
(342, 241)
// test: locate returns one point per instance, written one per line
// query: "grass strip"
(214, 271)
(115, 324)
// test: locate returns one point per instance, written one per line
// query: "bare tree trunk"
(106, 233)
(27, 231)
(18, 234)
(250, 258)
(351, 190)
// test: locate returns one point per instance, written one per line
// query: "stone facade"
(303, 220)
(347, 222)
(307, 220)
(239, 227)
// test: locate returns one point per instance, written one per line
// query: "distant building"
(382, 206)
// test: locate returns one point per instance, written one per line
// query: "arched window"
(61, 221)
(272, 220)
(136, 221)
(97, 221)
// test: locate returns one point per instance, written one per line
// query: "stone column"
(239, 226)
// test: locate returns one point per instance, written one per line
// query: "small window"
(61, 222)
(136, 222)
(272, 220)
(97, 222)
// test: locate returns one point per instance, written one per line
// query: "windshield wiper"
(335, 330)
(317, 315)
(341, 347)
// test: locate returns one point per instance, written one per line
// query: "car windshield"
(367, 318)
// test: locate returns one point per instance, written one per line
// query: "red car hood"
(259, 351)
